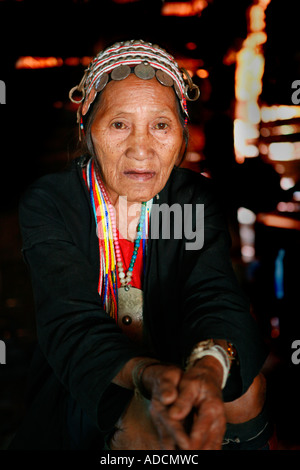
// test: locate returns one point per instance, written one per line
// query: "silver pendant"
(130, 312)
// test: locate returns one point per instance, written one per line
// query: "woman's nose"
(139, 145)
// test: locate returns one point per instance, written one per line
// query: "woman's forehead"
(134, 93)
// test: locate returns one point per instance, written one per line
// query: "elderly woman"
(144, 342)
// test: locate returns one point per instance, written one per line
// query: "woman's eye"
(161, 126)
(119, 125)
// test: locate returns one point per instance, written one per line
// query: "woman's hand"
(187, 407)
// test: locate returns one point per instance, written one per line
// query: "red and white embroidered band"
(143, 59)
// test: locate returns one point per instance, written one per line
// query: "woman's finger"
(191, 390)
(187, 397)
(171, 432)
(163, 382)
(209, 425)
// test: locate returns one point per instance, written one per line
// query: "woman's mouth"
(139, 175)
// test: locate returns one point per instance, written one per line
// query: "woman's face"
(137, 137)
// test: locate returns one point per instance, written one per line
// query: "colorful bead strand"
(107, 277)
(124, 278)
(109, 247)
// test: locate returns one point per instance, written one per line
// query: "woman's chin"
(140, 193)
(140, 197)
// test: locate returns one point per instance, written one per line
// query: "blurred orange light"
(250, 66)
(190, 72)
(72, 61)
(28, 62)
(86, 60)
(273, 220)
(191, 8)
(202, 73)
(257, 18)
(230, 57)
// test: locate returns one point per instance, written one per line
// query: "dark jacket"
(188, 296)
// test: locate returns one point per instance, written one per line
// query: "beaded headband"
(143, 59)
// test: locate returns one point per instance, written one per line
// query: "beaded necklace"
(109, 247)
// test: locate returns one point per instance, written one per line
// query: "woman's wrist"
(137, 375)
(147, 375)
(219, 350)
(125, 377)
(209, 365)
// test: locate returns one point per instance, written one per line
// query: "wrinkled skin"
(186, 410)
(177, 395)
(196, 393)
(138, 137)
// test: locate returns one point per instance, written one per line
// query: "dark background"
(39, 135)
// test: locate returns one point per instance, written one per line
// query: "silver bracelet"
(208, 348)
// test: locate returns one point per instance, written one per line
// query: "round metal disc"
(101, 82)
(164, 78)
(178, 92)
(120, 72)
(144, 71)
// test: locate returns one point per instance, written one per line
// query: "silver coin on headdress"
(177, 90)
(101, 82)
(164, 78)
(88, 101)
(120, 72)
(144, 71)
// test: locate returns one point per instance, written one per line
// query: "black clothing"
(189, 296)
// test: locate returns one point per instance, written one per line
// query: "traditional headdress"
(145, 60)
